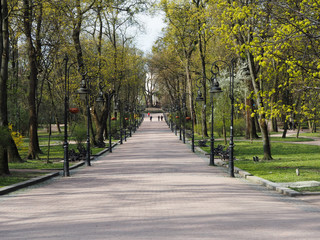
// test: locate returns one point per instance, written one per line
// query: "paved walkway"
(154, 187)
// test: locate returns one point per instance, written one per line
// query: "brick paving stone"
(154, 187)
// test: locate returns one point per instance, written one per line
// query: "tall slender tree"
(28, 13)
(4, 51)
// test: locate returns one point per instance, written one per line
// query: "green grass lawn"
(303, 134)
(56, 151)
(287, 157)
(16, 177)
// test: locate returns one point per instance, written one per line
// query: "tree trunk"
(262, 117)
(266, 140)
(298, 129)
(93, 134)
(224, 130)
(54, 108)
(248, 119)
(285, 129)
(274, 125)
(4, 167)
(13, 153)
(101, 123)
(57, 122)
(251, 130)
(204, 79)
(4, 50)
(34, 148)
(77, 22)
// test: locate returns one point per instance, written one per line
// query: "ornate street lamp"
(231, 67)
(184, 110)
(120, 120)
(214, 88)
(177, 117)
(66, 170)
(84, 91)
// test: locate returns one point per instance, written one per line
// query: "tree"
(28, 8)
(182, 33)
(242, 29)
(6, 139)
(203, 16)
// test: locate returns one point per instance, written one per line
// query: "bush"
(80, 134)
(17, 137)
(239, 127)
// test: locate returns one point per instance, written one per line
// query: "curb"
(260, 181)
(30, 182)
(105, 150)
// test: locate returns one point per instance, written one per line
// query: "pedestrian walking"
(150, 118)
(158, 118)
(161, 118)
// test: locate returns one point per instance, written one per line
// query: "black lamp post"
(184, 110)
(130, 121)
(120, 121)
(135, 112)
(180, 114)
(214, 88)
(231, 96)
(84, 90)
(177, 110)
(66, 172)
(231, 145)
(118, 108)
(199, 98)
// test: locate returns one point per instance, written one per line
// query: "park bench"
(223, 154)
(77, 156)
(188, 134)
(202, 143)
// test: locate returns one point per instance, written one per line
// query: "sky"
(153, 26)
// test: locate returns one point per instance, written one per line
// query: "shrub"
(17, 137)
(79, 134)
(239, 127)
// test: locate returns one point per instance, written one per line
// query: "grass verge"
(307, 189)
(287, 157)
(16, 177)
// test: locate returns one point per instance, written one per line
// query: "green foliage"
(17, 137)
(239, 127)
(80, 134)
